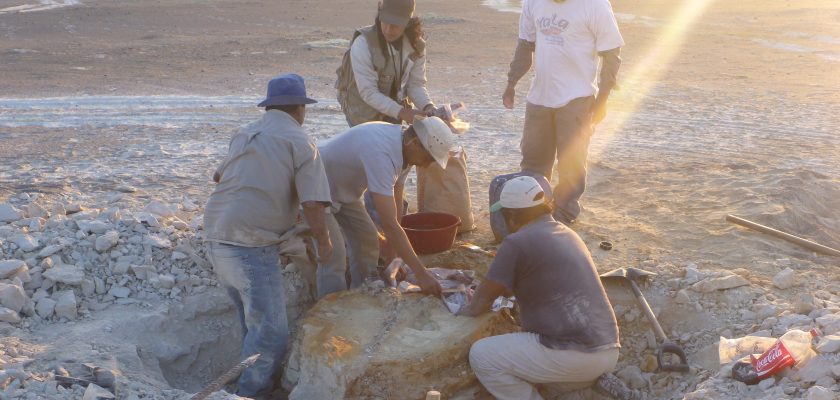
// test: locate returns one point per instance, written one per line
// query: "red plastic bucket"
(430, 232)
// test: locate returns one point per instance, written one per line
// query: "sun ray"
(644, 76)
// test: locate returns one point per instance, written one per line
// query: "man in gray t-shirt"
(569, 333)
(374, 157)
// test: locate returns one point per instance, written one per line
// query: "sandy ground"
(725, 107)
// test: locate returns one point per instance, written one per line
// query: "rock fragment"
(65, 306)
(45, 307)
(10, 268)
(12, 297)
(10, 316)
(785, 279)
(720, 283)
(829, 344)
(25, 242)
(820, 393)
(633, 376)
(95, 392)
(107, 241)
(9, 213)
(66, 274)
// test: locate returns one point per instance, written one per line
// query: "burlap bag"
(447, 191)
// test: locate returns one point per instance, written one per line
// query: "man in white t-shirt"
(566, 100)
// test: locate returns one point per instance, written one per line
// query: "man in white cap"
(272, 168)
(375, 157)
(569, 332)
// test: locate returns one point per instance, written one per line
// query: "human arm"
(485, 294)
(608, 43)
(521, 64)
(314, 213)
(499, 280)
(523, 55)
(416, 86)
(398, 241)
(313, 191)
(610, 63)
(367, 81)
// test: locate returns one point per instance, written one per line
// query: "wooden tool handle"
(813, 246)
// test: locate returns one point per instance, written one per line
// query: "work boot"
(611, 385)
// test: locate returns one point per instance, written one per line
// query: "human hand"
(408, 114)
(598, 113)
(428, 283)
(325, 250)
(508, 97)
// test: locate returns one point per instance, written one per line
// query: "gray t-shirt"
(560, 296)
(272, 166)
(365, 157)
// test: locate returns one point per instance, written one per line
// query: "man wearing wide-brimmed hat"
(272, 168)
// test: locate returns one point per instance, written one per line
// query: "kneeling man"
(569, 332)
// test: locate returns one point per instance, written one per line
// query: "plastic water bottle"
(793, 349)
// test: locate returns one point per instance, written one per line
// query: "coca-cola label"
(775, 359)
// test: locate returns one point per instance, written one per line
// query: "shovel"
(634, 275)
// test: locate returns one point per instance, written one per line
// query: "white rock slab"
(45, 307)
(159, 208)
(65, 306)
(721, 283)
(119, 292)
(96, 226)
(10, 316)
(106, 241)
(829, 344)
(10, 268)
(9, 213)
(12, 297)
(25, 242)
(50, 250)
(785, 279)
(157, 241)
(66, 274)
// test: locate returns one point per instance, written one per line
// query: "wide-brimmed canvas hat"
(436, 138)
(286, 90)
(396, 12)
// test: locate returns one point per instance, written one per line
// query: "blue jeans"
(253, 279)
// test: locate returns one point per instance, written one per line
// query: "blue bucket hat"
(286, 90)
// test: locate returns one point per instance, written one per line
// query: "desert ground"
(124, 109)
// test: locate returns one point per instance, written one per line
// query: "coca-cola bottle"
(792, 349)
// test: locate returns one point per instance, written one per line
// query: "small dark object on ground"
(605, 245)
(743, 371)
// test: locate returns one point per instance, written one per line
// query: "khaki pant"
(509, 365)
(562, 134)
(351, 229)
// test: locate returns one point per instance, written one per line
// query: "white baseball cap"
(436, 137)
(520, 192)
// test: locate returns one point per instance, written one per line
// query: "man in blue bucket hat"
(272, 169)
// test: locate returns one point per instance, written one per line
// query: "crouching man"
(272, 168)
(569, 332)
(375, 157)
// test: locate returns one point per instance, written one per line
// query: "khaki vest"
(354, 107)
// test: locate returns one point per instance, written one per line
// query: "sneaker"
(611, 385)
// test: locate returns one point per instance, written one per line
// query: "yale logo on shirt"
(552, 28)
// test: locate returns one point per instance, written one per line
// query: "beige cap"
(396, 12)
(520, 192)
(436, 137)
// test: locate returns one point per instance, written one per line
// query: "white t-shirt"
(568, 36)
(365, 157)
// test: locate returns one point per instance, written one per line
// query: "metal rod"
(813, 246)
